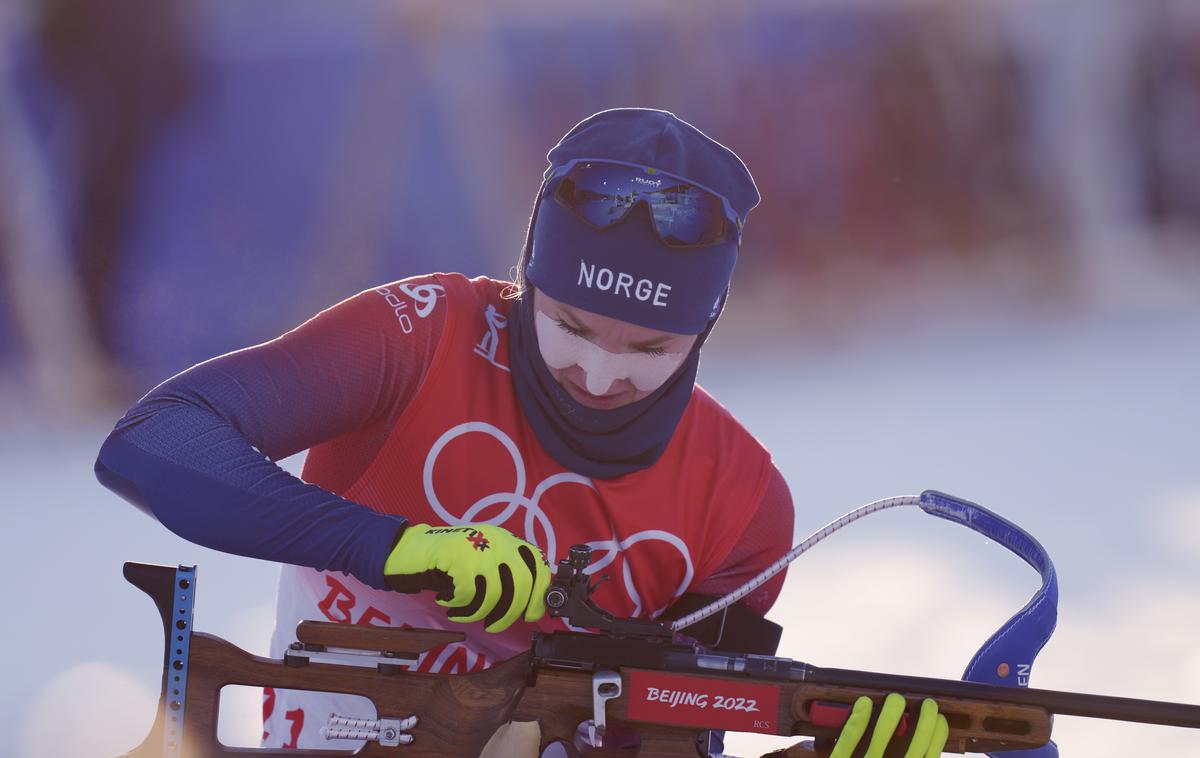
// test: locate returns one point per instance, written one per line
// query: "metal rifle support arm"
(456, 715)
(634, 671)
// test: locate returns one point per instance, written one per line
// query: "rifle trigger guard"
(606, 685)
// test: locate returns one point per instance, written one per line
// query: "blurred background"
(976, 268)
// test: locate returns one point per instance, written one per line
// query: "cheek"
(558, 355)
(559, 350)
(648, 373)
(560, 374)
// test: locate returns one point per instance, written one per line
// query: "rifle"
(632, 671)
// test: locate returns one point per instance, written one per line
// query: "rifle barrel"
(1053, 701)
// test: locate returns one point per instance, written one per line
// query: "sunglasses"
(684, 213)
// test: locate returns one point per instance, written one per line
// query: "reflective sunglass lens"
(602, 194)
(687, 216)
(592, 201)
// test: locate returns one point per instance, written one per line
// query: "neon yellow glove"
(480, 571)
(929, 736)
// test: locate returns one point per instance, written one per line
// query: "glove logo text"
(478, 541)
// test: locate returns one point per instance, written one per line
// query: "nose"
(600, 370)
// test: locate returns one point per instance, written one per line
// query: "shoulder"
(714, 422)
(405, 303)
(722, 458)
(457, 288)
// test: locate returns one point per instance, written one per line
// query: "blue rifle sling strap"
(1007, 657)
(179, 635)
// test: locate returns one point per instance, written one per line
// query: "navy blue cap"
(661, 140)
(626, 272)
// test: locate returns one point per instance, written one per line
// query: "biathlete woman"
(464, 433)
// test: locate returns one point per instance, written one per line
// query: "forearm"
(203, 480)
(197, 453)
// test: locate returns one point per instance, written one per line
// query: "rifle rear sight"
(569, 597)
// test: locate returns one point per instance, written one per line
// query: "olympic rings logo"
(612, 547)
(534, 515)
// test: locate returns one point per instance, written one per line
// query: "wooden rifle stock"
(457, 713)
(553, 685)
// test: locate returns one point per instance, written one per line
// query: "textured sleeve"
(766, 538)
(198, 452)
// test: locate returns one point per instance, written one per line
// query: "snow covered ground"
(1081, 428)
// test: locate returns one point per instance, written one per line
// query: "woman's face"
(601, 362)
